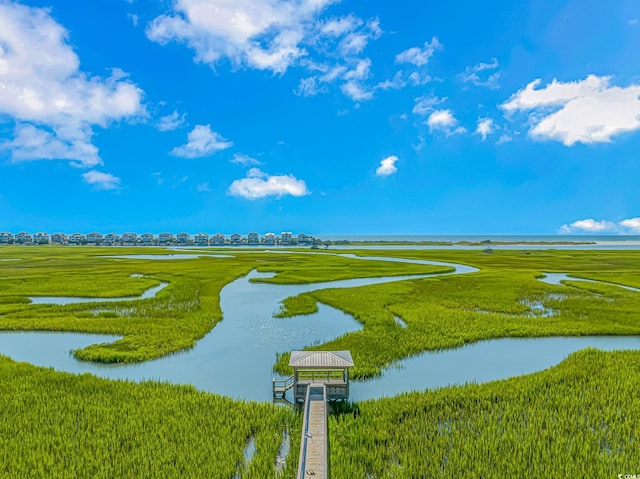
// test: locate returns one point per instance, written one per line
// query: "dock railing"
(280, 386)
(302, 460)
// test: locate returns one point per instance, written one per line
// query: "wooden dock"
(314, 457)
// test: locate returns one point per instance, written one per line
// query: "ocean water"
(493, 238)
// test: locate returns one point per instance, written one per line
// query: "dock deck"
(313, 462)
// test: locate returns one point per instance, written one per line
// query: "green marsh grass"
(58, 425)
(450, 311)
(175, 319)
(578, 419)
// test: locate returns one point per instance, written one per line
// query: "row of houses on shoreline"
(163, 239)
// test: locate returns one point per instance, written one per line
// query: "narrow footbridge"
(314, 454)
(318, 376)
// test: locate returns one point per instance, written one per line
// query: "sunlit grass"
(451, 311)
(58, 425)
(180, 315)
(577, 419)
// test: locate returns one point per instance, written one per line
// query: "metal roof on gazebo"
(321, 359)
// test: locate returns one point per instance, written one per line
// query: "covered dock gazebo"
(330, 368)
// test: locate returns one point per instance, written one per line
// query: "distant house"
(304, 239)
(219, 238)
(183, 238)
(130, 238)
(235, 238)
(77, 238)
(41, 238)
(23, 238)
(148, 239)
(58, 238)
(165, 238)
(253, 238)
(95, 238)
(201, 239)
(6, 238)
(285, 237)
(111, 239)
(270, 238)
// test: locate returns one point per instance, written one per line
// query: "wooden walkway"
(313, 462)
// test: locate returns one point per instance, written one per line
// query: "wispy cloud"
(309, 87)
(387, 166)
(504, 139)
(171, 122)
(396, 83)
(201, 142)
(426, 104)
(258, 185)
(485, 127)
(419, 56)
(584, 111)
(418, 59)
(244, 160)
(101, 181)
(482, 74)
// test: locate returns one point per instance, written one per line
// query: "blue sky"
(320, 116)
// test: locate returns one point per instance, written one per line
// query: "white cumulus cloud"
(201, 142)
(588, 225)
(632, 224)
(626, 226)
(258, 185)
(356, 91)
(443, 120)
(485, 127)
(585, 111)
(273, 35)
(257, 33)
(387, 166)
(101, 181)
(54, 105)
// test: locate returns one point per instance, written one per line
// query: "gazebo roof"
(321, 359)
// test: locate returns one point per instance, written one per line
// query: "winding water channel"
(236, 357)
